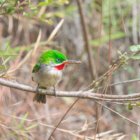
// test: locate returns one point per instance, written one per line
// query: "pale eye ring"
(58, 60)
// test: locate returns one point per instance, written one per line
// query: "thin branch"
(125, 118)
(81, 94)
(56, 29)
(125, 82)
(67, 111)
(86, 40)
(70, 132)
(110, 30)
(87, 46)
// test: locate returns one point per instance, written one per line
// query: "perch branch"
(81, 94)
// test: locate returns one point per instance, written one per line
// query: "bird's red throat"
(61, 66)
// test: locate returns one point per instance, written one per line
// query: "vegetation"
(104, 35)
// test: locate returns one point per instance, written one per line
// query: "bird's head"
(56, 59)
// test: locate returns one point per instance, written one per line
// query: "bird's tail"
(40, 98)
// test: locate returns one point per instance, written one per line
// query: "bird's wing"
(42, 60)
(36, 68)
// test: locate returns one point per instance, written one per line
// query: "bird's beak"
(72, 62)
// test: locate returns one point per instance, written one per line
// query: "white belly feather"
(47, 77)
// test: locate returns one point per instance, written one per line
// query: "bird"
(47, 72)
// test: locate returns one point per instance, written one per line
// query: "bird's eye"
(58, 60)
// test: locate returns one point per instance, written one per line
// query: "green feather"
(36, 68)
(49, 57)
(52, 56)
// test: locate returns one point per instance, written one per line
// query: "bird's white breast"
(47, 77)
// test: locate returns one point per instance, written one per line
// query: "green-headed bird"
(47, 72)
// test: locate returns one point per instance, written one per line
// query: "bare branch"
(81, 94)
(56, 29)
(86, 40)
(115, 112)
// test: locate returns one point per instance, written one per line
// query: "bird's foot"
(54, 91)
(38, 89)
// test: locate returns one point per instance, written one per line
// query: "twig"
(125, 82)
(67, 111)
(85, 37)
(56, 29)
(70, 132)
(37, 43)
(87, 46)
(125, 118)
(110, 30)
(116, 65)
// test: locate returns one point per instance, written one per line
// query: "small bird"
(47, 72)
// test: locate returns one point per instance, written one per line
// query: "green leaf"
(31, 126)
(105, 38)
(64, 1)
(2, 1)
(21, 124)
(3, 53)
(129, 69)
(130, 106)
(2, 67)
(69, 10)
(138, 104)
(45, 3)
(134, 137)
(135, 57)
(135, 48)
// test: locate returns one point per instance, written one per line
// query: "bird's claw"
(40, 89)
(37, 89)
(54, 91)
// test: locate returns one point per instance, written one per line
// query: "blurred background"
(93, 31)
